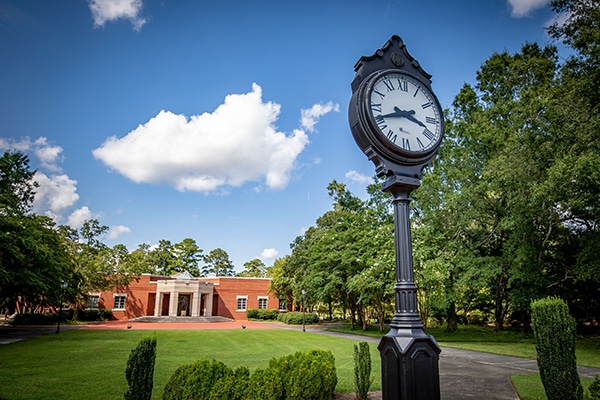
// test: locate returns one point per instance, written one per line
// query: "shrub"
(101, 314)
(267, 314)
(265, 385)
(308, 375)
(195, 380)
(296, 318)
(140, 370)
(35, 319)
(255, 313)
(362, 370)
(555, 332)
(231, 387)
(594, 389)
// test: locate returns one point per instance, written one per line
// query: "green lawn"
(510, 342)
(91, 364)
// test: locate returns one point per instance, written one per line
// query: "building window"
(92, 301)
(119, 302)
(242, 302)
(262, 303)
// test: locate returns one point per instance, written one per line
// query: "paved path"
(463, 374)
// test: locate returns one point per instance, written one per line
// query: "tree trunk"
(451, 317)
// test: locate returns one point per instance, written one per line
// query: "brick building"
(182, 295)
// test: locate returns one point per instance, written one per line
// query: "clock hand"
(398, 113)
(409, 116)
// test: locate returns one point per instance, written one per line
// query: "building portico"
(184, 296)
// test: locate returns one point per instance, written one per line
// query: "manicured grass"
(510, 342)
(529, 386)
(91, 364)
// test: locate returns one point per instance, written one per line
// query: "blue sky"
(222, 121)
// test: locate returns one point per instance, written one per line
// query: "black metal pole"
(409, 357)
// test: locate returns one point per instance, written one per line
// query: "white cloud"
(235, 144)
(111, 10)
(356, 177)
(311, 116)
(57, 192)
(79, 216)
(55, 195)
(269, 254)
(522, 8)
(116, 231)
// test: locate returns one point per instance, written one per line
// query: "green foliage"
(362, 370)
(140, 370)
(101, 314)
(296, 318)
(266, 384)
(218, 263)
(262, 314)
(594, 389)
(231, 387)
(555, 335)
(308, 375)
(195, 380)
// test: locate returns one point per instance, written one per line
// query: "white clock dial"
(405, 113)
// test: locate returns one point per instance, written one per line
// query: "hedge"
(297, 318)
(308, 375)
(555, 333)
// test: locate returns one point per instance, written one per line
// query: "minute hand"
(398, 113)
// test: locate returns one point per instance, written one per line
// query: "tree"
(34, 261)
(254, 268)
(483, 215)
(17, 187)
(187, 256)
(218, 263)
(162, 258)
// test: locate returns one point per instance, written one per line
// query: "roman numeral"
(380, 122)
(426, 105)
(389, 85)
(379, 93)
(431, 120)
(376, 107)
(392, 137)
(428, 134)
(421, 145)
(405, 144)
(403, 85)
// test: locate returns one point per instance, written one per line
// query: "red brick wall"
(228, 288)
(136, 302)
(142, 293)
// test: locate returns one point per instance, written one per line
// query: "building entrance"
(183, 305)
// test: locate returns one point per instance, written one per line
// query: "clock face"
(405, 113)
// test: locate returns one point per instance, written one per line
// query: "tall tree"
(162, 258)
(254, 268)
(34, 261)
(188, 256)
(218, 263)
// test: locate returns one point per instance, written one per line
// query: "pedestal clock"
(397, 121)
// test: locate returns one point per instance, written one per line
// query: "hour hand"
(398, 113)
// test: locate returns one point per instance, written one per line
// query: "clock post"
(397, 122)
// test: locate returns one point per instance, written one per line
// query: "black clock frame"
(393, 57)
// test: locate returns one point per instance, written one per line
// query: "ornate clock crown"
(392, 55)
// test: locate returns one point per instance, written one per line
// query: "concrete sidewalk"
(463, 374)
